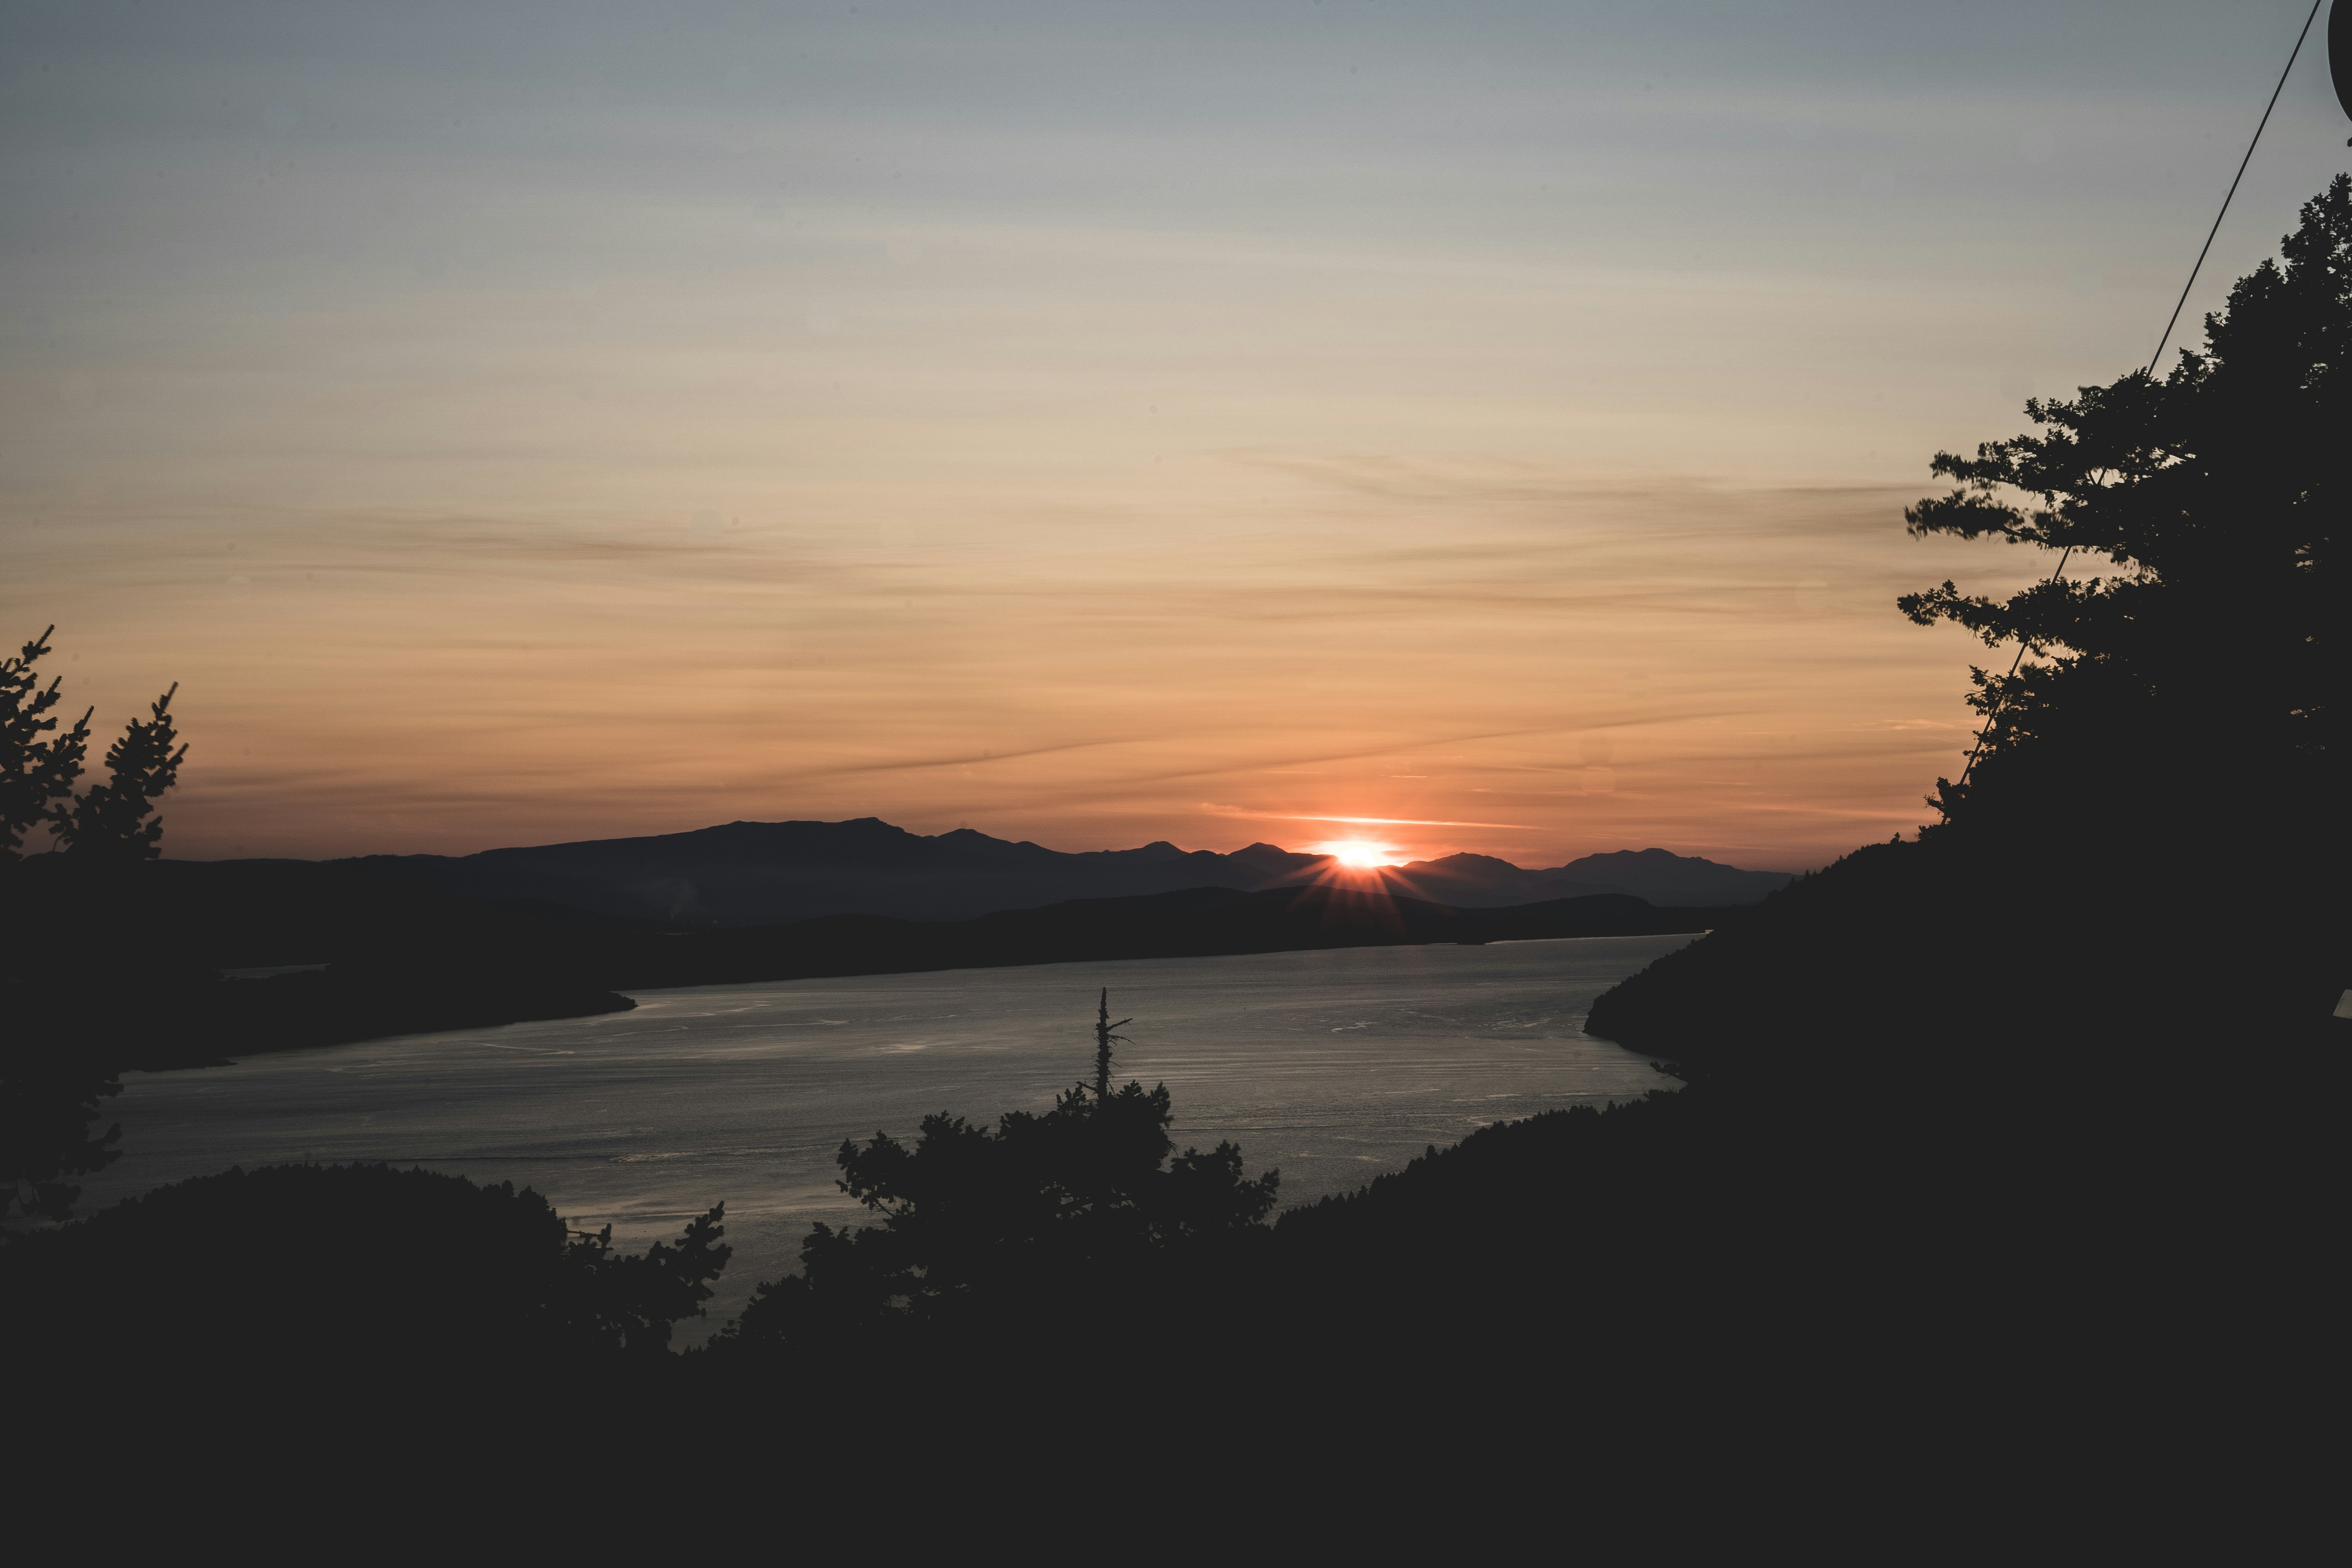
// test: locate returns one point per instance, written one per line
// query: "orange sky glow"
(1449, 658)
(1359, 854)
(1448, 429)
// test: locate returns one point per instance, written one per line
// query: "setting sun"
(1360, 853)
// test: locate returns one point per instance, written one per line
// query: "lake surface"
(1334, 1067)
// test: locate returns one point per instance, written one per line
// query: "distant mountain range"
(759, 873)
(1687, 881)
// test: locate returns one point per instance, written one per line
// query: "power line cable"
(2233, 186)
(2068, 553)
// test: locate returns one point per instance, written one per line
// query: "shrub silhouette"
(976, 1224)
(307, 1272)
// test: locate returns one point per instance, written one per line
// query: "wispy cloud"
(1216, 810)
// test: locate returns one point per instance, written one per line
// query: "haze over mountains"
(753, 873)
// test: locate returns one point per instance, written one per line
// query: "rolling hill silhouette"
(1658, 875)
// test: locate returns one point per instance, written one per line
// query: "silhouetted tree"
(633, 1299)
(110, 820)
(37, 773)
(2212, 656)
(1080, 1198)
(34, 771)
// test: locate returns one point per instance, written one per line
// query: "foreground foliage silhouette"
(2210, 654)
(978, 1225)
(53, 1077)
(297, 1273)
(39, 767)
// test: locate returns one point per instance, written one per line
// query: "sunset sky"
(1086, 423)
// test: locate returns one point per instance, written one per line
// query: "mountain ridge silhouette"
(755, 873)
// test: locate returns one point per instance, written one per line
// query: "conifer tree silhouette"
(2213, 636)
(38, 775)
(111, 819)
(34, 771)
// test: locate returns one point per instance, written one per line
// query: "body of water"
(1333, 1066)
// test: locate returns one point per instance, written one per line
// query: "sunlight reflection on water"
(1333, 1066)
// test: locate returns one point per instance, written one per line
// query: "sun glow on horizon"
(1361, 854)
